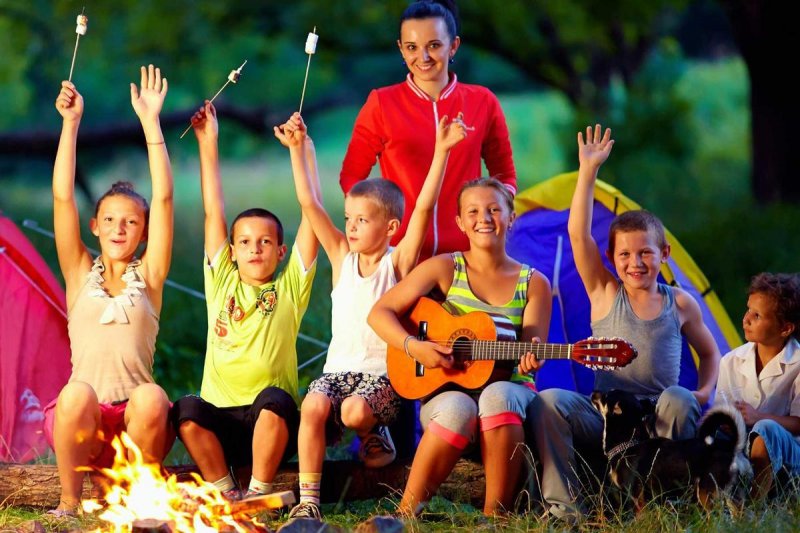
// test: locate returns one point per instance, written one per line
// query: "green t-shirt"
(252, 331)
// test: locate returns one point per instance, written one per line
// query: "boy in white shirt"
(353, 390)
(762, 377)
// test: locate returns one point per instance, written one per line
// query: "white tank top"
(355, 347)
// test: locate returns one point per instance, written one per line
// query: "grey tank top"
(658, 342)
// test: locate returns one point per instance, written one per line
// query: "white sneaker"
(377, 448)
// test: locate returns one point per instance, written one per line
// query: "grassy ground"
(777, 516)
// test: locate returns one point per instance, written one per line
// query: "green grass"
(776, 516)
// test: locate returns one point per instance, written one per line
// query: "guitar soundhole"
(462, 351)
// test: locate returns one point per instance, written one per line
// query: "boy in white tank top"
(353, 391)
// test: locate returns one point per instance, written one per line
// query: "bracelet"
(405, 345)
(161, 142)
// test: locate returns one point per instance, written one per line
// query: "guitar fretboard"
(507, 350)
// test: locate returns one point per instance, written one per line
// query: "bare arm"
(598, 281)
(536, 318)
(406, 253)
(147, 102)
(395, 303)
(73, 257)
(701, 340)
(293, 134)
(206, 129)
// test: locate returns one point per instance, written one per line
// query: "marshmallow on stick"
(82, 24)
(233, 77)
(311, 49)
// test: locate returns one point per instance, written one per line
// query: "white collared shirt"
(775, 391)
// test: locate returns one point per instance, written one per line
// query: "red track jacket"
(398, 126)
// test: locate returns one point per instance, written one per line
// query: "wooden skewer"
(305, 80)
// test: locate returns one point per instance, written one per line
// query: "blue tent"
(540, 238)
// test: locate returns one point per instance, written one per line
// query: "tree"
(765, 33)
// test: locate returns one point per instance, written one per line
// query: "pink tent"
(34, 347)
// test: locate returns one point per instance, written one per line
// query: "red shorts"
(112, 423)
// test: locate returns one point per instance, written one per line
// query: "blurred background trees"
(677, 80)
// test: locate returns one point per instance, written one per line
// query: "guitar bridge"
(422, 334)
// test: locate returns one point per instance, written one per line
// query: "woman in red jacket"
(397, 125)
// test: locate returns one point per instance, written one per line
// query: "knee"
(148, 403)
(504, 397)
(75, 400)
(459, 414)
(270, 421)
(355, 412)
(189, 430)
(314, 409)
(677, 399)
(758, 449)
(549, 402)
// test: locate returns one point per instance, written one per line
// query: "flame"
(137, 490)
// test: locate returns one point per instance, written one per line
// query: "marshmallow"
(82, 22)
(311, 43)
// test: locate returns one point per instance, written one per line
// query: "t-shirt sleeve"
(296, 280)
(366, 144)
(496, 150)
(216, 270)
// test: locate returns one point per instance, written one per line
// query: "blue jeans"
(782, 448)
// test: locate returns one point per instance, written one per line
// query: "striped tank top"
(507, 318)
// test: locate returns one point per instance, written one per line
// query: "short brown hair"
(637, 220)
(257, 212)
(489, 183)
(384, 192)
(784, 290)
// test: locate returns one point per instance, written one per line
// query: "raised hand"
(149, 99)
(69, 102)
(293, 132)
(449, 134)
(204, 122)
(596, 149)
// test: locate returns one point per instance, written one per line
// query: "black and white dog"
(645, 467)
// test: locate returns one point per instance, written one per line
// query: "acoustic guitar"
(475, 351)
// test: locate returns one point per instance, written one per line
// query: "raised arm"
(597, 280)
(73, 257)
(293, 134)
(206, 129)
(395, 303)
(147, 102)
(701, 340)
(406, 254)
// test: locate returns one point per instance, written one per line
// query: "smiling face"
(637, 258)
(367, 226)
(484, 216)
(120, 226)
(427, 48)
(255, 249)
(761, 323)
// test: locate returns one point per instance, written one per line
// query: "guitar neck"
(512, 351)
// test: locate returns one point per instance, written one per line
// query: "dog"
(644, 467)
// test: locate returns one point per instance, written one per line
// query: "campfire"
(139, 498)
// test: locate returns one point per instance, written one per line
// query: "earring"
(452, 60)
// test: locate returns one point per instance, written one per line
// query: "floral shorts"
(376, 391)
